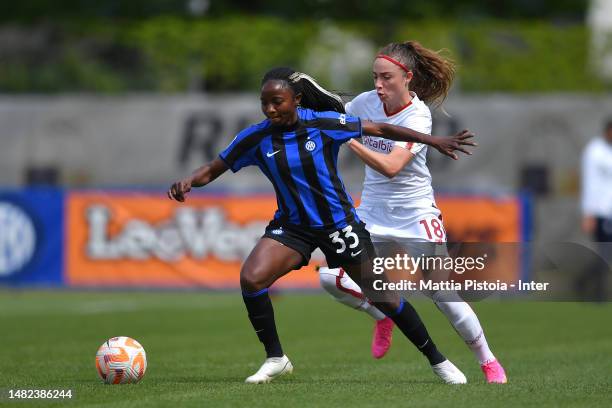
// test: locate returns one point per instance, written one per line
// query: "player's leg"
(465, 322)
(344, 290)
(409, 322)
(460, 315)
(355, 255)
(268, 261)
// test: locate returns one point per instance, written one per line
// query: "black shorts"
(350, 245)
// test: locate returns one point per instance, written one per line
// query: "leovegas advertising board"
(123, 239)
(145, 240)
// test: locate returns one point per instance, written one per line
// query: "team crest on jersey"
(310, 145)
(342, 119)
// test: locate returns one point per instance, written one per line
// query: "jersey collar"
(395, 112)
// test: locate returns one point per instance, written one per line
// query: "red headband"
(394, 61)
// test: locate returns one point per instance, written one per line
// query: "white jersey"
(597, 179)
(414, 180)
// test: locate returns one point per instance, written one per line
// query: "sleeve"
(354, 107)
(349, 108)
(421, 123)
(339, 126)
(589, 196)
(240, 152)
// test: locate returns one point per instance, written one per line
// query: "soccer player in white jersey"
(397, 203)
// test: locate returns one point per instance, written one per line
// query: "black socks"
(261, 315)
(409, 322)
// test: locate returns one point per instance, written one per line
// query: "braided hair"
(314, 96)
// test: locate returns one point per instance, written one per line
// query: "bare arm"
(389, 165)
(445, 145)
(199, 178)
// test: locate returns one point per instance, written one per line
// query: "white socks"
(464, 320)
(341, 287)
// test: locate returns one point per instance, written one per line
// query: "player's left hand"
(448, 145)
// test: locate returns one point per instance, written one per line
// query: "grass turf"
(200, 347)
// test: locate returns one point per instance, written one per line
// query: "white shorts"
(417, 227)
(418, 220)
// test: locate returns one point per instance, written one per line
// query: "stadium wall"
(525, 143)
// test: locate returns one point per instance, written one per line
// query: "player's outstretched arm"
(199, 178)
(445, 145)
(389, 165)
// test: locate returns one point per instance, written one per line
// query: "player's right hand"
(448, 145)
(179, 190)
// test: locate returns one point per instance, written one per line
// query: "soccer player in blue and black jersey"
(296, 148)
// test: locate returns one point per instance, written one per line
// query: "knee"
(253, 278)
(367, 284)
(456, 311)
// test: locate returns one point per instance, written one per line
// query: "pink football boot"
(383, 333)
(494, 372)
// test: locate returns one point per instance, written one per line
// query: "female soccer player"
(397, 202)
(296, 148)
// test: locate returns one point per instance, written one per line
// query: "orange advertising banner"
(490, 221)
(482, 219)
(122, 239)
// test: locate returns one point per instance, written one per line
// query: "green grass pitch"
(200, 347)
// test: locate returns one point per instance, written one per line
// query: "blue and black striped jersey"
(301, 163)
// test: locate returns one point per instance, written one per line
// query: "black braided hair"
(314, 96)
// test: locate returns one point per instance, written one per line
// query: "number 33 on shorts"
(432, 229)
(350, 245)
(348, 235)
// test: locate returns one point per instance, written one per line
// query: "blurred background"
(104, 103)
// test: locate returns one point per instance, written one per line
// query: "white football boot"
(449, 373)
(271, 368)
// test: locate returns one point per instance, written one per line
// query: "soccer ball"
(121, 360)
